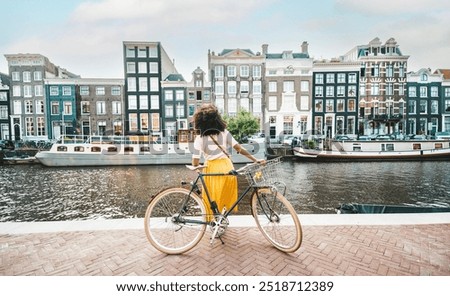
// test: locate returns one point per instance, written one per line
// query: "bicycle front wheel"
(277, 219)
(175, 221)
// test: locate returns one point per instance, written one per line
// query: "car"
(290, 140)
(364, 138)
(382, 138)
(342, 138)
(418, 137)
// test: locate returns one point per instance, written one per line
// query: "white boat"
(128, 150)
(23, 159)
(378, 150)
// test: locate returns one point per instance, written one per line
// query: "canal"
(38, 193)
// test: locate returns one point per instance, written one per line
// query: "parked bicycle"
(176, 218)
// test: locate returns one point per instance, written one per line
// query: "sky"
(86, 36)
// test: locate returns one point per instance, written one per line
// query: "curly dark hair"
(208, 120)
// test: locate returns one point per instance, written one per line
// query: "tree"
(242, 125)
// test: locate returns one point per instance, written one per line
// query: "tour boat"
(128, 150)
(350, 150)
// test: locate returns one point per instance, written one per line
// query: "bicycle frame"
(212, 204)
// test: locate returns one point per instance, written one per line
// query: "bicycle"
(176, 218)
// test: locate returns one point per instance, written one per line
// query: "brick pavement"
(326, 250)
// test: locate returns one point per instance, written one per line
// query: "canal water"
(38, 193)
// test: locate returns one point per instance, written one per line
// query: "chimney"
(265, 47)
(305, 47)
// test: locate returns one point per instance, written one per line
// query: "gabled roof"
(444, 72)
(174, 77)
(237, 51)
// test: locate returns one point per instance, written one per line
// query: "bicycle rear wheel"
(277, 219)
(175, 221)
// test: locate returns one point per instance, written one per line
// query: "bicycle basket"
(263, 175)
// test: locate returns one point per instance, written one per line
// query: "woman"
(214, 143)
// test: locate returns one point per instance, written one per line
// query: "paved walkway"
(406, 244)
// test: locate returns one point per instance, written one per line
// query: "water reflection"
(37, 193)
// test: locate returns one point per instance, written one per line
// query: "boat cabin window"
(62, 148)
(437, 145)
(145, 149)
(112, 149)
(356, 147)
(417, 146)
(78, 149)
(128, 149)
(96, 149)
(387, 147)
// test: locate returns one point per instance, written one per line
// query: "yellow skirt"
(222, 189)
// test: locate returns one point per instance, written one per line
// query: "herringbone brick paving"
(326, 250)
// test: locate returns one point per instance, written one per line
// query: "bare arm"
(243, 151)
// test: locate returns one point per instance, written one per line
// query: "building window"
(351, 105)
(155, 122)
(15, 76)
(375, 89)
(304, 86)
(288, 124)
(26, 76)
(376, 70)
(423, 106)
(3, 96)
(244, 88)
(27, 91)
(330, 91)
(351, 125)
(412, 91)
(351, 90)
(180, 110)
(29, 123)
(434, 92)
(244, 70)
(55, 108)
(447, 92)
(318, 106)
(143, 102)
(144, 121)
(18, 107)
(179, 95)
(130, 52)
(153, 52)
(232, 106)
(218, 71)
(272, 103)
(329, 105)
(340, 91)
(390, 70)
(132, 102)
(37, 75)
(401, 70)
(143, 84)
(219, 88)
(153, 67)
(340, 105)
(84, 90)
(256, 71)
(131, 67)
(330, 78)
(38, 90)
(352, 78)
(85, 107)
(412, 107)
(169, 111)
(231, 71)
(168, 95)
(67, 108)
(434, 107)
(100, 90)
(319, 78)
(304, 103)
(40, 107)
(101, 108)
(154, 84)
(272, 86)
(28, 107)
(142, 52)
(318, 125)
(115, 90)
(67, 91)
(423, 91)
(389, 89)
(340, 125)
(154, 102)
(257, 87)
(341, 78)
(288, 86)
(54, 91)
(319, 91)
(3, 112)
(142, 67)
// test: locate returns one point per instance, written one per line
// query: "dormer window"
(423, 77)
